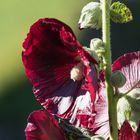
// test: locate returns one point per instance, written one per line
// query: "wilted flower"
(91, 16)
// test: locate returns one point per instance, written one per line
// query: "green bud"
(96, 44)
(91, 16)
(92, 53)
(118, 79)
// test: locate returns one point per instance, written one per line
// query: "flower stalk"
(112, 103)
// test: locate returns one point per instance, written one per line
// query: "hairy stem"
(112, 103)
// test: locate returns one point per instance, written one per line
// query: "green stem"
(112, 103)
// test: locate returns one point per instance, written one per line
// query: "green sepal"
(128, 108)
(72, 132)
(120, 13)
(76, 133)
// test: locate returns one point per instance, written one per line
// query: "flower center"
(76, 73)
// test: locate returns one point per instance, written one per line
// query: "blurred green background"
(16, 98)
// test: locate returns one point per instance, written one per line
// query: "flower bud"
(96, 43)
(92, 53)
(91, 16)
(77, 72)
(118, 79)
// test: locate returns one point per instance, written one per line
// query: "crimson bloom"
(42, 126)
(51, 50)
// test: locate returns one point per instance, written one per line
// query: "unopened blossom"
(117, 79)
(91, 16)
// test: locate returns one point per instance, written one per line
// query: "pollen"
(76, 73)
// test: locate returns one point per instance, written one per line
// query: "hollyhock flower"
(42, 126)
(129, 65)
(51, 53)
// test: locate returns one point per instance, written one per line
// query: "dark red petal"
(42, 126)
(129, 65)
(44, 47)
(50, 53)
(126, 132)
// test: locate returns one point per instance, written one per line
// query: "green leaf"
(128, 108)
(120, 13)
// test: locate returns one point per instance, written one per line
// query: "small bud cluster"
(91, 16)
(97, 45)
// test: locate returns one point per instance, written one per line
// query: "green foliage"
(120, 13)
(128, 108)
(71, 131)
(75, 133)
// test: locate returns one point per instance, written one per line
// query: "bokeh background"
(16, 16)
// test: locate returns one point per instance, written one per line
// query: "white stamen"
(77, 72)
